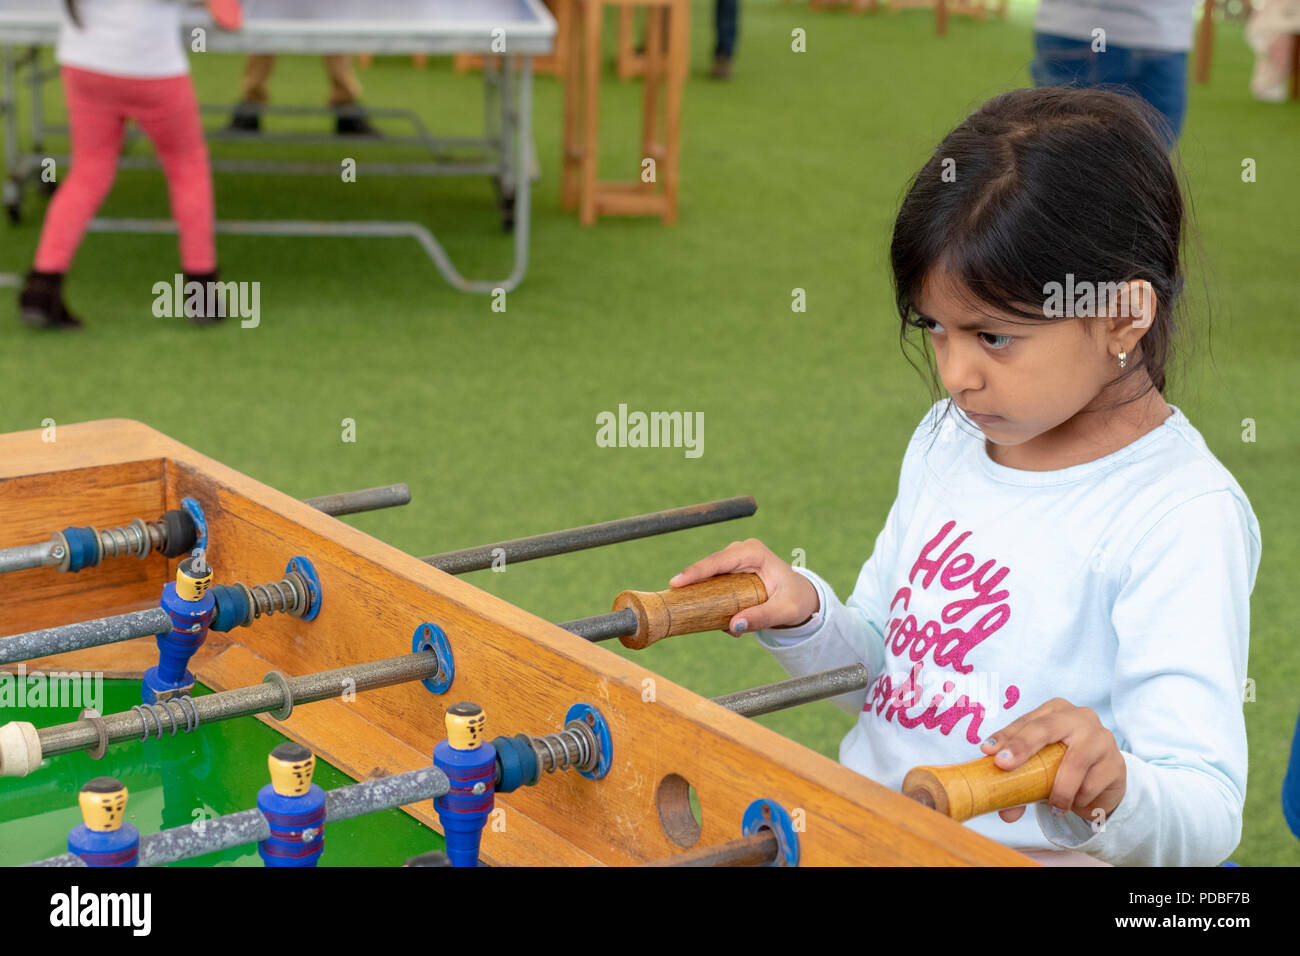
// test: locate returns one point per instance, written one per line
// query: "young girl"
(1065, 560)
(122, 60)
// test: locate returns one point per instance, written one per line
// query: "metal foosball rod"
(363, 499)
(23, 746)
(704, 606)
(797, 690)
(760, 849)
(172, 535)
(592, 535)
(251, 826)
(237, 605)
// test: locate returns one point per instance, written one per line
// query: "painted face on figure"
(1016, 378)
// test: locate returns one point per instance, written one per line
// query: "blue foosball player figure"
(104, 838)
(470, 763)
(294, 807)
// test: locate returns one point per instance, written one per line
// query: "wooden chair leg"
(1295, 67)
(592, 17)
(571, 166)
(655, 65)
(678, 67)
(1205, 43)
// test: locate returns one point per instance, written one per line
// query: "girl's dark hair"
(1041, 183)
(71, 6)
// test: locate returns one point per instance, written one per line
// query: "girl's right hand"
(791, 598)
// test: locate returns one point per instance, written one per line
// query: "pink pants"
(168, 113)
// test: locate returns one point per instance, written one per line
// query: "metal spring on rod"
(174, 710)
(136, 539)
(571, 747)
(289, 595)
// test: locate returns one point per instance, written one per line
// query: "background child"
(1065, 559)
(122, 60)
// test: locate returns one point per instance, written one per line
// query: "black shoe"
(200, 313)
(40, 304)
(351, 120)
(247, 118)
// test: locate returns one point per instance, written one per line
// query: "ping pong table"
(505, 153)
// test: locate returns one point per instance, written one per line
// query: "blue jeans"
(1158, 76)
(726, 21)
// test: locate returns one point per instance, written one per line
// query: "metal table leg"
(11, 190)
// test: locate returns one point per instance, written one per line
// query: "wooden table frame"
(665, 68)
(524, 671)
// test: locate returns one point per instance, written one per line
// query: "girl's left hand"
(1092, 773)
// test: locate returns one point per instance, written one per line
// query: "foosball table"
(126, 554)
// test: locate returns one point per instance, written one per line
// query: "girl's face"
(1019, 379)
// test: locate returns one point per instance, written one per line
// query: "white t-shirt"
(133, 38)
(1135, 24)
(1121, 584)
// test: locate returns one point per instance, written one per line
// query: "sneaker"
(40, 303)
(721, 68)
(351, 120)
(201, 315)
(247, 118)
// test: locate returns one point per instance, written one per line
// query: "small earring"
(1122, 356)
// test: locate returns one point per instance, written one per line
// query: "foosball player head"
(104, 838)
(470, 764)
(294, 808)
(432, 858)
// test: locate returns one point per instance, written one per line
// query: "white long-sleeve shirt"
(130, 38)
(1121, 584)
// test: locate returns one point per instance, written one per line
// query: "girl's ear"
(1141, 304)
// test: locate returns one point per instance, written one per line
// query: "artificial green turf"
(791, 175)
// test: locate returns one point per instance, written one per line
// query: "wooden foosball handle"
(966, 790)
(704, 606)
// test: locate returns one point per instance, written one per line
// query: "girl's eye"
(924, 322)
(1005, 340)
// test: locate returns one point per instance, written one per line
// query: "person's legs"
(345, 88)
(726, 23)
(253, 93)
(257, 71)
(1160, 78)
(96, 123)
(1061, 61)
(168, 112)
(726, 20)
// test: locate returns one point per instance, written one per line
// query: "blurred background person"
(1140, 44)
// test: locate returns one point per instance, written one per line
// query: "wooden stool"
(666, 62)
(855, 6)
(364, 60)
(976, 9)
(553, 63)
